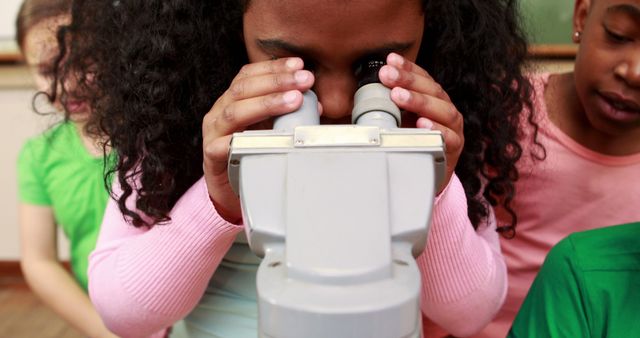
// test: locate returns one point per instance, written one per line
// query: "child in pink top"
(589, 124)
(183, 77)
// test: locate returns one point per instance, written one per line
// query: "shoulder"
(538, 82)
(608, 248)
(533, 118)
(538, 78)
(561, 257)
(61, 138)
(56, 133)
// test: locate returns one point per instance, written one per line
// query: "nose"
(629, 69)
(335, 92)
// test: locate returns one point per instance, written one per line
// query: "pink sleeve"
(143, 280)
(464, 273)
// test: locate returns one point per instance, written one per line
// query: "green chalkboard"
(549, 25)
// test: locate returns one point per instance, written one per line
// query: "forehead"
(307, 11)
(630, 7)
(40, 40)
(334, 21)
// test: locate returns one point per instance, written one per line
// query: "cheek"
(595, 59)
(587, 69)
(42, 83)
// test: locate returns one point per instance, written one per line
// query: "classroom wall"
(548, 21)
(17, 123)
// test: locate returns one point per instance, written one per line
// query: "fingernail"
(301, 76)
(391, 72)
(401, 94)
(395, 59)
(424, 123)
(290, 96)
(293, 63)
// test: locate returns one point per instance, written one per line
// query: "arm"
(464, 273)
(143, 280)
(46, 276)
(554, 306)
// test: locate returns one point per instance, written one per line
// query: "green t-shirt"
(589, 286)
(56, 170)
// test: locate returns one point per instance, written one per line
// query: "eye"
(615, 37)
(378, 57)
(45, 71)
(310, 65)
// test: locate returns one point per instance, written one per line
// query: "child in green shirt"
(589, 286)
(60, 178)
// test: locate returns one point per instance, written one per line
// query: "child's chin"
(79, 116)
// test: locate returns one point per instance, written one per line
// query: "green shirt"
(56, 170)
(589, 286)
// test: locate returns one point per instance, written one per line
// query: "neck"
(92, 143)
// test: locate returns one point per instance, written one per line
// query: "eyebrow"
(272, 45)
(632, 10)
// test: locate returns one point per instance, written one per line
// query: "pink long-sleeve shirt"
(143, 280)
(572, 189)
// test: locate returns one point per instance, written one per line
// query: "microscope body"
(338, 213)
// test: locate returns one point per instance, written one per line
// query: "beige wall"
(17, 123)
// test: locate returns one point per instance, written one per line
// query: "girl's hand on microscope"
(260, 90)
(414, 90)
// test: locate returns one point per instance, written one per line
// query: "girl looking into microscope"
(176, 78)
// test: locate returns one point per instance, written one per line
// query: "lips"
(619, 108)
(74, 106)
(622, 103)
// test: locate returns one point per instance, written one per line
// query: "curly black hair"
(158, 66)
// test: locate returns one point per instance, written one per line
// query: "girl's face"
(40, 50)
(331, 37)
(607, 68)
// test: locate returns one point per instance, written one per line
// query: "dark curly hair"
(158, 66)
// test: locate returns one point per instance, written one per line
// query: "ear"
(580, 13)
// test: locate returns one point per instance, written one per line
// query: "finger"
(424, 123)
(396, 60)
(453, 140)
(391, 77)
(270, 67)
(241, 114)
(264, 84)
(433, 108)
(216, 154)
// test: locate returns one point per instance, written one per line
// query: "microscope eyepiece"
(372, 104)
(367, 71)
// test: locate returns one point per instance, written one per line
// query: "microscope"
(338, 213)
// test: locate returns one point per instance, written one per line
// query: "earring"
(576, 36)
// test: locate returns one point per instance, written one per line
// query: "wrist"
(231, 216)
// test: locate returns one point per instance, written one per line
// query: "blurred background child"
(60, 178)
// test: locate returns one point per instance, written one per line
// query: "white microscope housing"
(338, 213)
